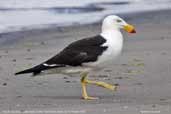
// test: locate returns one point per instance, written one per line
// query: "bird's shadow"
(59, 97)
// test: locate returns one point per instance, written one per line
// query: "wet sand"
(143, 71)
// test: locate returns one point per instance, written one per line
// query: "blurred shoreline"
(139, 18)
(19, 15)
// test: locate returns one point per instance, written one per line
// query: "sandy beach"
(143, 71)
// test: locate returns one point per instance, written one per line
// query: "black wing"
(81, 51)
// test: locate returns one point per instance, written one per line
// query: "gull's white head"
(113, 23)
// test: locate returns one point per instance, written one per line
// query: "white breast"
(114, 42)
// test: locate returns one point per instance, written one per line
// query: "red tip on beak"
(133, 31)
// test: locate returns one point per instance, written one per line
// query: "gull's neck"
(112, 34)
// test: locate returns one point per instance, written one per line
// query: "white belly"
(68, 70)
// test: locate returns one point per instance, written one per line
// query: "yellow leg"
(85, 81)
(84, 91)
(102, 84)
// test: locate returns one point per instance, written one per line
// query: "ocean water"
(17, 15)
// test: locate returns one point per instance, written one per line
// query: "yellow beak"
(129, 28)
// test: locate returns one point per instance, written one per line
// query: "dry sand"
(143, 71)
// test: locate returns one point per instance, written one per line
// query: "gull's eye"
(118, 20)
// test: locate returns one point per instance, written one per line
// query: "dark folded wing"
(82, 51)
